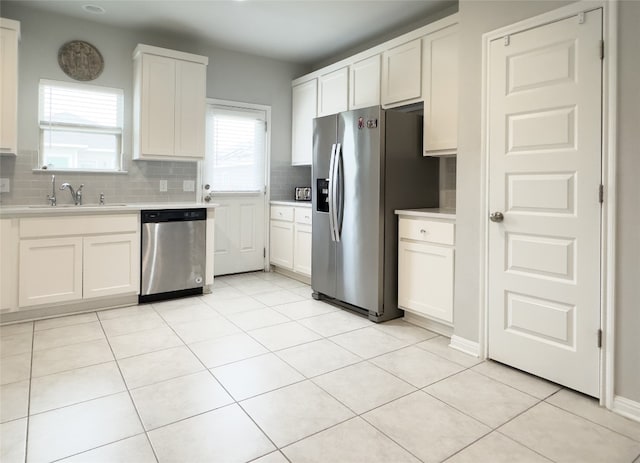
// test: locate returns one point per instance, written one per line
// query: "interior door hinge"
(264, 252)
(507, 40)
(599, 338)
(601, 193)
(581, 18)
(601, 49)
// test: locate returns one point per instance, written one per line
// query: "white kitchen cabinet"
(110, 265)
(440, 92)
(402, 74)
(290, 239)
(9, 38)
(281, 249)
(169, 104)
(364, 83)
(10, 252)
(426, 268)
(304, 110)
(302, 241)
(333, 92)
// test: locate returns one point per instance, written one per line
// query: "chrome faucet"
(52, 197)
(75, 195)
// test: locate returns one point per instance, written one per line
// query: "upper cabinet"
(440, 91)
(169, 104)
(364, 80)
(9, 37)
(333, 92)
(402, 74)
(304, 110)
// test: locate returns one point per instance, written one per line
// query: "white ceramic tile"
(318, 357)
(227, 349)
(405, 331)
(496, 448)
(278, 297)
(15, 344)
(426, 427)
(368, 342)
(125, 312)
(483, 398)
(196, 311)
(221, 294)
(154, 367)
(520, 380)
(83, 354)
(226, 435)
(289, 283)
(14, 441)
(440, 346)
(236, 305)
(363, 386)
(563, 436)
(273, 457)
(14, 400)
(67, 335)
(74, 386)
(134, 449)
(125, 325)
(304, 291)
(202, 330)
(179, 303)
(142, 342)
(15, 368)
(294, 412)
(589, 408)
(417, 366)
(256, 375)
(65, 321)
(258, 286)
(254, 319)
(304, 309)
(16, 328)
(354, 441)
(175, 399)
(66, 431)
(283, 335)
(336, 322)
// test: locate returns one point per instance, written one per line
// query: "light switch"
(189, 185)
(163, 185)
(5, 185)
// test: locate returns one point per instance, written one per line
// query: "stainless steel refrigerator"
(366, 164)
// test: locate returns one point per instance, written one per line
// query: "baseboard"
(626, 407)
(428, 324)
(464, 345)
(291, 274)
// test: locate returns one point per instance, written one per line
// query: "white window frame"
(118, 131)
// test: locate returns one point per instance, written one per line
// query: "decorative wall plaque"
(80, 60)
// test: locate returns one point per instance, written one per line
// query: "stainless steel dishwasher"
(172, 253)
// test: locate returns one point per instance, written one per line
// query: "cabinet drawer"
(303, 215)
(38, 227)
(426, 230)
(282, 213)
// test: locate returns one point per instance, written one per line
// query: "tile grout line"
(26, 440)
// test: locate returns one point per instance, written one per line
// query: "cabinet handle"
(422, 230)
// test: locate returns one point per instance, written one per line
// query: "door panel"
(545, 168)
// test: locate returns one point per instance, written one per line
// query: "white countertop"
(292, 203)
(69, 209)
(433, 212)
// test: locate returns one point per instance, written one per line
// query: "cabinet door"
(305, 105)
(440, 89)
(402, 73)
(364, 83)
(111, 265)
(191, 83)
(158, 106)
(8, 90)
(333, 92)
(302, 249)
(425, 280)
(50, 271)
(281, 249)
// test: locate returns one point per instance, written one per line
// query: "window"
(236, 147)
(80, 126)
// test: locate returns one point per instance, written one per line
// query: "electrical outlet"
(189, 185)
(163, 185)
(5, 185)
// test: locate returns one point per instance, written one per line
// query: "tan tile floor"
(258, 371)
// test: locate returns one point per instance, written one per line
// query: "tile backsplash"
(448, 182)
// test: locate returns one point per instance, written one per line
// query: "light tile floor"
(259, 371)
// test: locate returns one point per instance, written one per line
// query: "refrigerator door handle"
(330, 196)
(338, 195)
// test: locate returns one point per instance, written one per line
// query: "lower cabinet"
(302, 249)
(110, 265)
(426, 268)
(290, 239)
(281, 244)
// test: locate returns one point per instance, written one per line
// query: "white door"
(235, 169)
(544, 177)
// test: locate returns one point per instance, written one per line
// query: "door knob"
(496, 217)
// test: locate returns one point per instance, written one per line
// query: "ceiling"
(299, 31)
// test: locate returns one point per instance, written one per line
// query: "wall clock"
(80, 60)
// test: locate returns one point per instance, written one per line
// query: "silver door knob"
(496, 217)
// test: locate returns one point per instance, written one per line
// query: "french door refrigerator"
(367, 163)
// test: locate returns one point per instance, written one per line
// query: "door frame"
(267, 167)
(608, 210)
